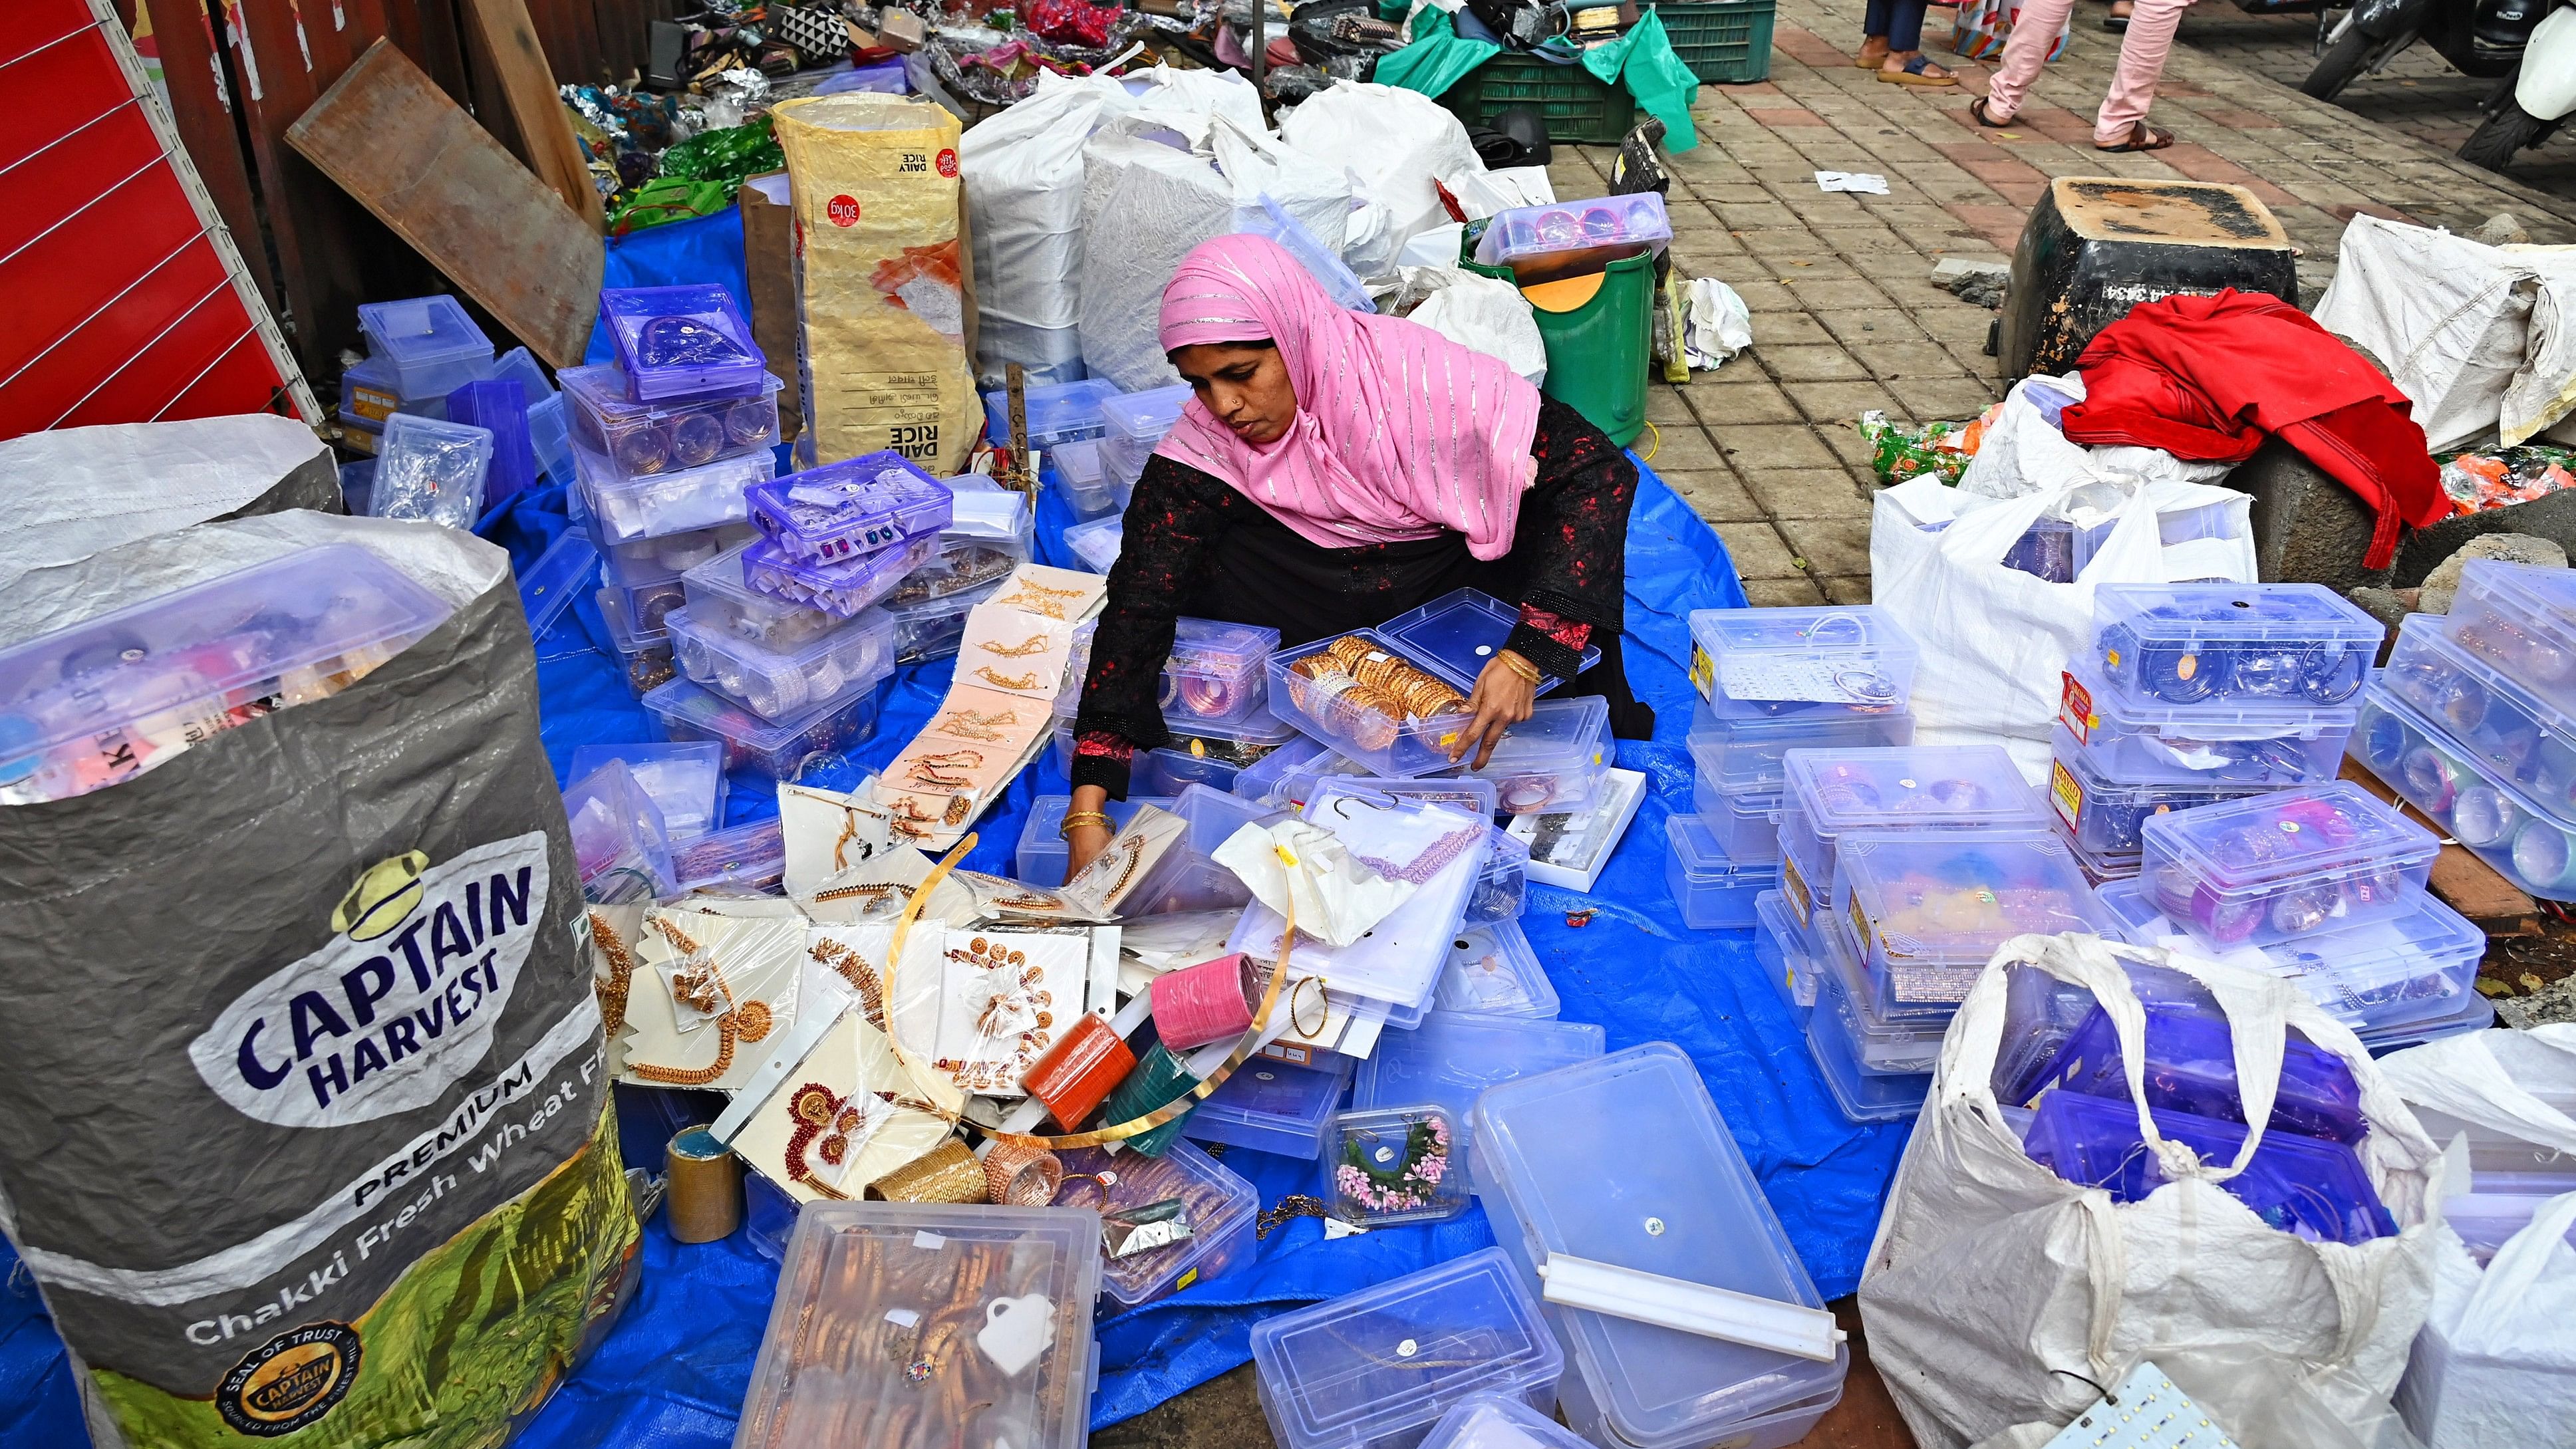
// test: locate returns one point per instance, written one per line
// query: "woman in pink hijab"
(1332, 470)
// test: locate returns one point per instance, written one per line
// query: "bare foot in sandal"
(1873, 52)
(1911, 68)
(2142, 137)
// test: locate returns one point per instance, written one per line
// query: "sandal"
(1867, 61)
(2143, 138)
(1918, 72)
(2115, 22)
(1977, 112)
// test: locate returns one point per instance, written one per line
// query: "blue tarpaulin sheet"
(672, 1373)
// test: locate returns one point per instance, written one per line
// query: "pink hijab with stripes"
(1400, 432)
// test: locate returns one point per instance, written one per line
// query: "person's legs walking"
(2142, 64)
(2025, 51)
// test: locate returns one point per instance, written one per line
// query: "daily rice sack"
(884, 280)
(304, 1130)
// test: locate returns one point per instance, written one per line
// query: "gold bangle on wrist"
(1079, 818)
(1512, 661)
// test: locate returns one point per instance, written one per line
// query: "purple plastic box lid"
(499, 406)
(2191, 1067)
(853, 507)
(687, 341)
(840, 588)
(2299, 1185)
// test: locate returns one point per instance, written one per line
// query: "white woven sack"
(1994, 1284)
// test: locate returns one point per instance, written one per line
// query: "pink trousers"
(2133, 85)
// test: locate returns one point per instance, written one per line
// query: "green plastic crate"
(1580, 110)
(1723, 44)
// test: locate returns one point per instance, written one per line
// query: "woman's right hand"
(1083, 842)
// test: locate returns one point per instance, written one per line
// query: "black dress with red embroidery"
(1194, 547)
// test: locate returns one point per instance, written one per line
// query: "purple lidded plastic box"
(837, 511)
(2299, 1185)
(683, 342)
(840, 588)
(2191, 1067)
(2270, 867)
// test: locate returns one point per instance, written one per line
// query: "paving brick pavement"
(1845, 318)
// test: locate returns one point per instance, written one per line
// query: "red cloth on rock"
(2209, 377)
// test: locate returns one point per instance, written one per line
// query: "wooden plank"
(2462, 881)
(394, 141)
(527, 89)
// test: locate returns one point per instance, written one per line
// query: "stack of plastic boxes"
(989, 533)
(783, 630)
(418, 351)
(1831, 794)
(1624, 1161)
(2193, 694)
(2474, 721)
(1215, 703)
(1913, 919)
(1773, 680)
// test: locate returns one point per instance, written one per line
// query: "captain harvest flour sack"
(884, 280)
(303, 1124)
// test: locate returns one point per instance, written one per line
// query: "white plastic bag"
(1398, 142)
(2482, 338)
(1491, 316)
(2495, 1367)
(1995, 640)
(1718, 327)
(1023, 175)
(1994, 1283)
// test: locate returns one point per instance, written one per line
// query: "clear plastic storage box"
(561, 574)
(647, 608)
(685, 781)
(888, 1309)
(2499, 822)
(1315, 688)
(1916, 787)
(2522, 616)
(777, 749)
(1376, 1368)
(1747, 826)
(429, 343)
(1503, 889)
(2104, 817)
(639, 440)
(1389, 1165)
(1780, 944)
(1456, 635)
(652, 560)
(988, 535)
(1273, 1107)
(1207, 753)
(1686, 1206)
(1739, 744)
(722, 600)
(1488, 1421)
(841, 509)
(782, 684)
(1085, 485)
(1568, 226)
(934, 628)
(1132, 426)
(681, 342)
(840, 588)
(1861, 1096)
(1095, 544)
(1042, 853)
(618, 840)
(648, 658)
(742, 860)
(624, 510)
(2272, 867)
(1900, 1048)
(1216, 1203)
(2513, 732)
(1214, 672)
(2178, 644)
(1057, 412)
(1714, 890)
(100, 702)
(1551, 761)
(1493, 971)
(1453, 1056)
(1851, 656)
(1927, 908)
(2225, 742)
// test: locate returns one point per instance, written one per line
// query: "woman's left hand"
(1502, 698)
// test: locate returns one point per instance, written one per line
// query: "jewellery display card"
(707, 990)
(990, 717)
(1003, 995)
(1398, 959)
(1001, 900)
(1014, 651)
(1129, 860)
(839, 1119)
(878, 889)
(1070, 595)
(825, 832)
